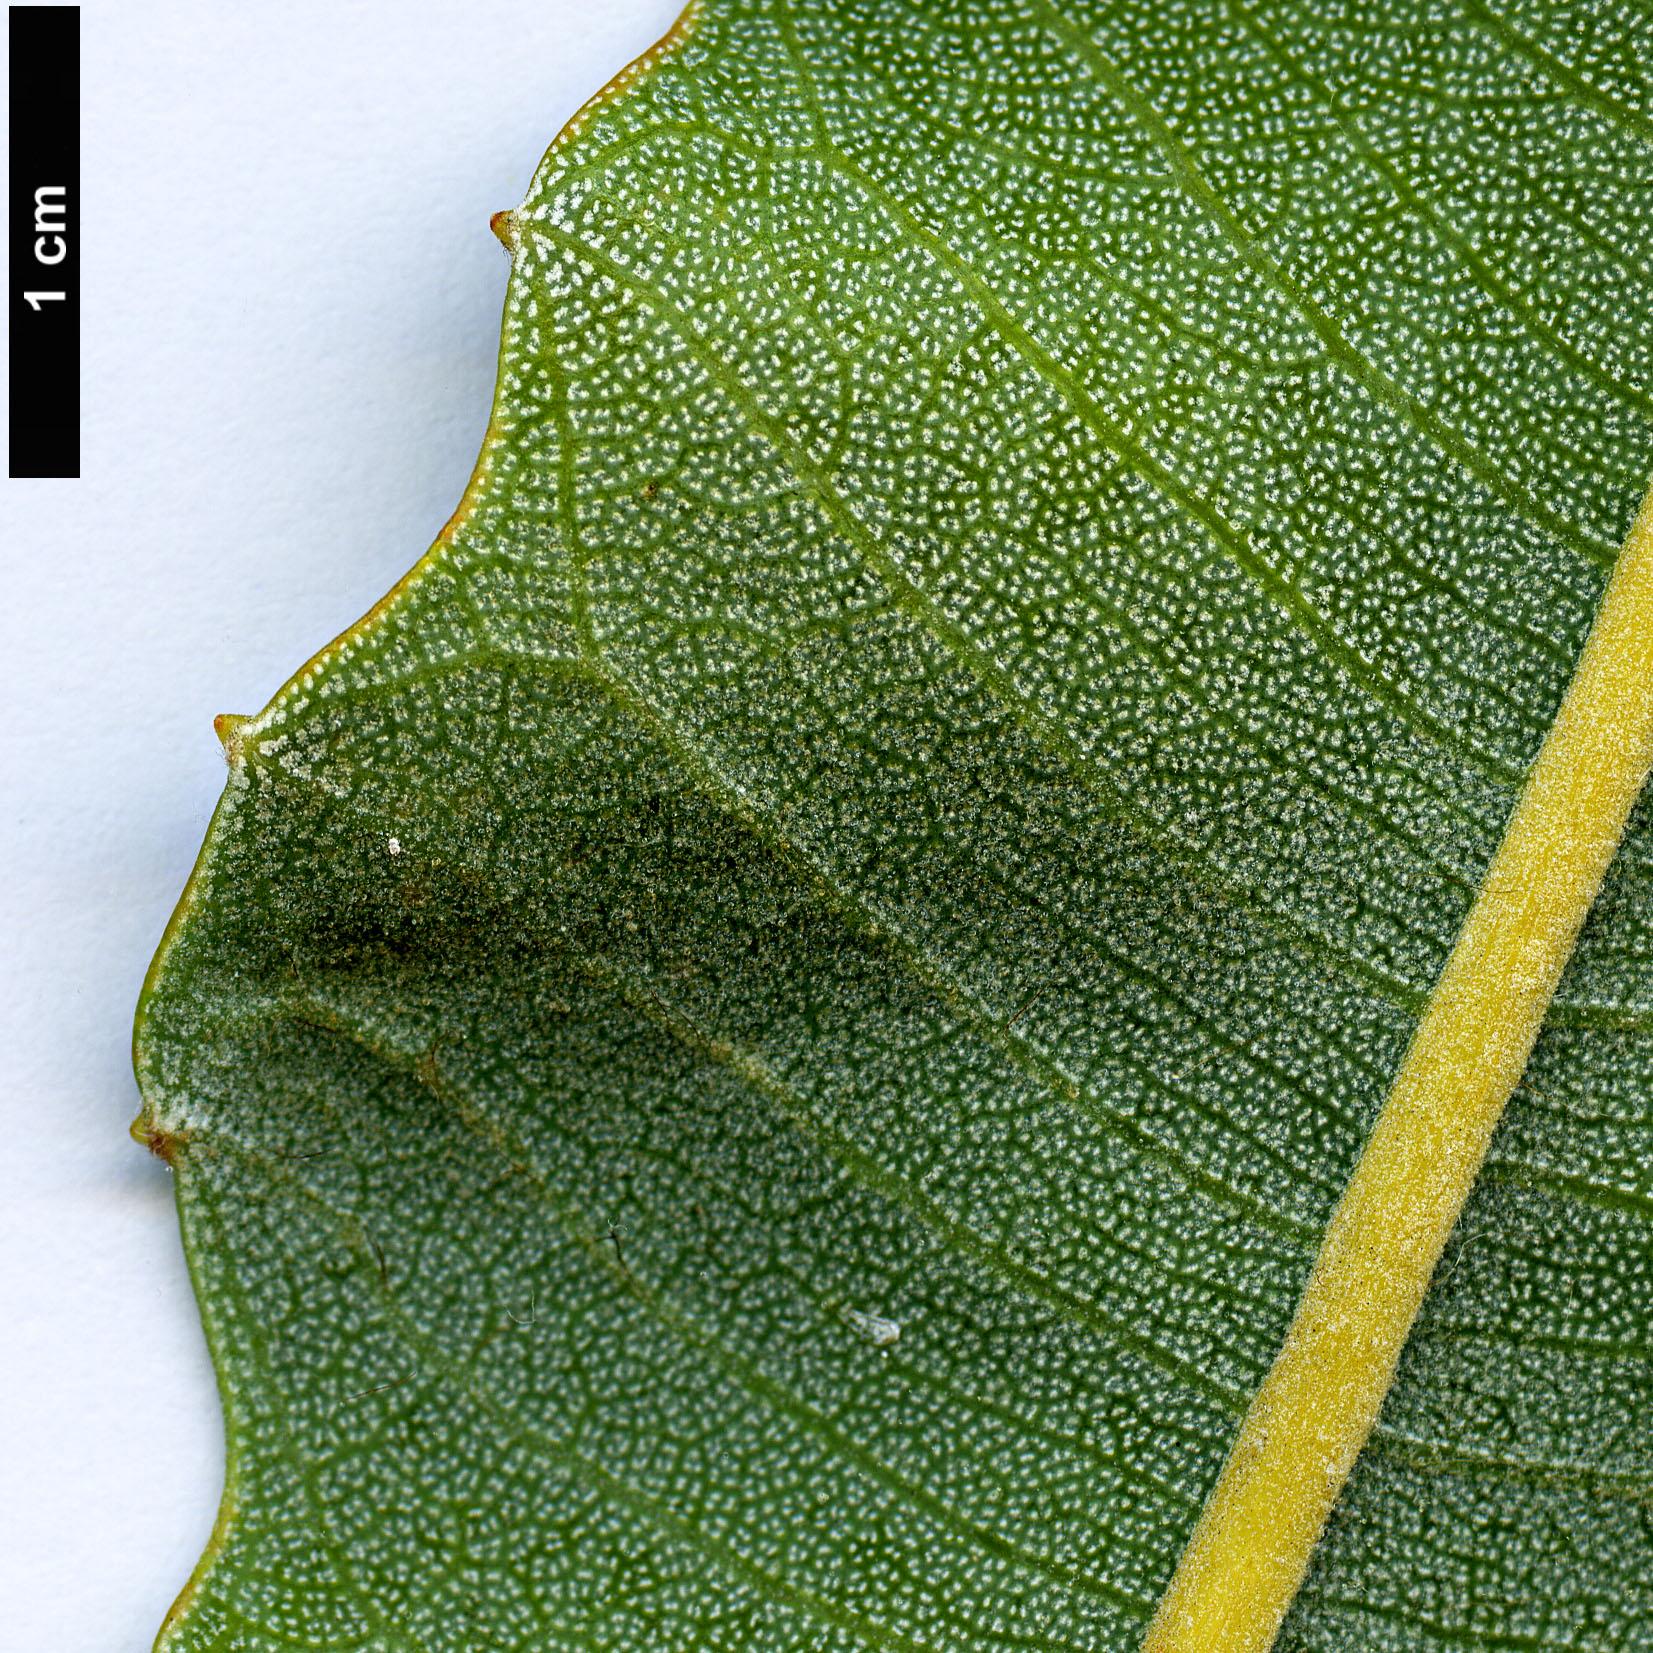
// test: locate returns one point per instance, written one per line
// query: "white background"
(291, 311)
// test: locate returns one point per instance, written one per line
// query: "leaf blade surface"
(1013, 576)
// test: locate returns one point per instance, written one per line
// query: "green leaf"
(758, 1057)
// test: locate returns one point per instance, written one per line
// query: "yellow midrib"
(1310, 1418)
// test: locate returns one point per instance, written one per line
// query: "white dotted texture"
(758, 1059)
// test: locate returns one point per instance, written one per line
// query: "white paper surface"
(291, 310)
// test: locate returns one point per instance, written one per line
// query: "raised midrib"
(1314, 1411)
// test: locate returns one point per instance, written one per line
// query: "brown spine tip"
(504, 225)
(227, 726)
(163, 1144)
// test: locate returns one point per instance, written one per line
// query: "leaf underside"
(759, 1057)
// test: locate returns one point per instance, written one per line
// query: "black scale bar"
(44, 303)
